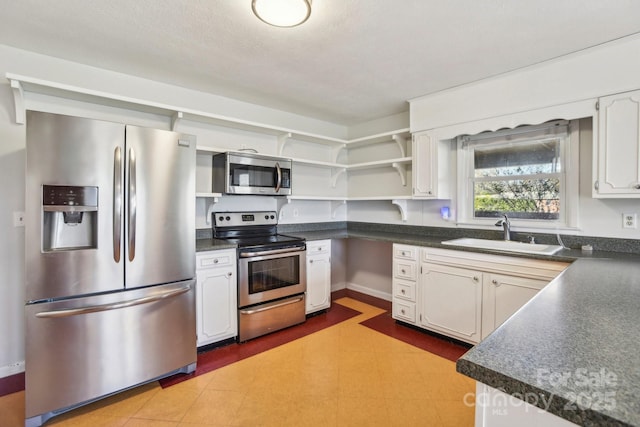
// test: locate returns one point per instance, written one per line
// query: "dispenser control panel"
(66, 195)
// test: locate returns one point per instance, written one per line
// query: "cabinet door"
(450, 301)
(617, 150)
(318, 282)
(216, 309)
(504, 295)
(425, 166)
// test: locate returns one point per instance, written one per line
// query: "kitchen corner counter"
(572, 350)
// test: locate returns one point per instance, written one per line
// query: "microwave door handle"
(278, 177)
(117, 203)
(132, 205)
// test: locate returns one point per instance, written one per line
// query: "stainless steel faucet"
(506, 226)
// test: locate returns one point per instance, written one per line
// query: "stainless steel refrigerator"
(110, 260)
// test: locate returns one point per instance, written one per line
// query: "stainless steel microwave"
(245, 173)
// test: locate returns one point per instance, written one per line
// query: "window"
(528, 173)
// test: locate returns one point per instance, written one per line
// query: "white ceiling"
(351, 62)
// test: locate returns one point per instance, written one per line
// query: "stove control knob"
(228, 218)
(266, 217)
(272, 217)
(221, 218)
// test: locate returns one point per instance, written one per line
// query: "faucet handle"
(532, 240)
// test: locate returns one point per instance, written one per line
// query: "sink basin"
(505, 245)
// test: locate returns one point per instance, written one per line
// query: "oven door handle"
(271, 252)
(270, 306)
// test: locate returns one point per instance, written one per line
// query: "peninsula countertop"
(573, 345)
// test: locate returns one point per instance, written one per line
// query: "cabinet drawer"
(404, 269)
(318, 247)
(215, 259)
(404, 290)
(405, 252)
(403, 310)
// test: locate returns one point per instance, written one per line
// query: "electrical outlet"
(629, 220)
(18, 219)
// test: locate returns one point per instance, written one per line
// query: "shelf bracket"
(175, 119)
(282, 141)
(401, 168)
(335, 152)
(402, 144)
(336, 175)
(281, 203)
(210, 209)
(18, 101)
(402, 207)
(335, 204)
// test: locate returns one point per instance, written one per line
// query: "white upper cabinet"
(616, 151)
(432, 166)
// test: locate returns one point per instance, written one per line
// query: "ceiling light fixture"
(282, 13)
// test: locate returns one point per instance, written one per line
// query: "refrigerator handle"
(132, 205)
(67, 312)
(117, 203)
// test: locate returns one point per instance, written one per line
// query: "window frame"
(568, 177)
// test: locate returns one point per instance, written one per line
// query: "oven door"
(271, 274)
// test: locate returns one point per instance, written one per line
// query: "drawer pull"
(215, 261)
(402, 311)
(229, 274)
(403, 271)
(402, 291)
(475, 278)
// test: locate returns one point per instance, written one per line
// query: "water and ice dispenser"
(69, 217)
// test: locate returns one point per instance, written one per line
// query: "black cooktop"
(263, 240)
(252, 230)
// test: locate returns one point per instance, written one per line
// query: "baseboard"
(338, 286)
(368, 291)
(16, 368)
(11, 378)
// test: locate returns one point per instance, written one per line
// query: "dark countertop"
(580, 326)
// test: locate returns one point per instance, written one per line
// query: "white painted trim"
(368, 291)
(16, 368)
(338, 286)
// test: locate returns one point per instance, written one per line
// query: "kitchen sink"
(505, 245)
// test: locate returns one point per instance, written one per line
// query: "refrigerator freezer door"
(72, 151)
(85, 348)
(160, 213)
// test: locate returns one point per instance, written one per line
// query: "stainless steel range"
(271, 272)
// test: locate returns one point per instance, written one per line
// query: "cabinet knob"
(310, 261)
(637, 186)
(229, 274)
(402, 311)
(403, 271)
(319, 248)
(402, 291)
(475, 278)
(403, 253)
(495, 282)
(215, 261)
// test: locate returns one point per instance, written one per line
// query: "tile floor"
(347, 374)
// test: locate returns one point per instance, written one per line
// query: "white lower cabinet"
(451, 301)
(216, 296)
(461, 294)
(405, 267)
(504, 295)
(318, 275)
